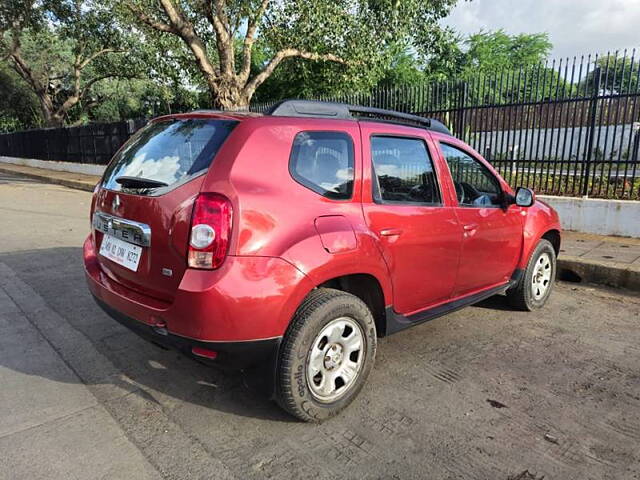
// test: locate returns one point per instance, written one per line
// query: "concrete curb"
(77, 184)
(598, 272)
(56, 166)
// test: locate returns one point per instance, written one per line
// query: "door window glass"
(403, 171)
(475, 185)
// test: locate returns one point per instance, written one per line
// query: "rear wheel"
(535, 286)
(326, 355)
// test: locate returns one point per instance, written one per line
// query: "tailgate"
(143, 209)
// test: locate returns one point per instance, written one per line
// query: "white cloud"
(575, 27)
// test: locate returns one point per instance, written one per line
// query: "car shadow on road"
(57, 275)
(497, 302)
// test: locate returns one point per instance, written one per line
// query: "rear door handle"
(470, 227)
(390, 232)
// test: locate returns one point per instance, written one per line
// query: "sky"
(575, 27)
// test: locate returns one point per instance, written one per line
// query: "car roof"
(310, 109)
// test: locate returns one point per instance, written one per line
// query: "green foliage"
(344, 47)
(496, 66)
(61, 49)
(18, 105)
(488, 52)
(299, 47)
(622, 75)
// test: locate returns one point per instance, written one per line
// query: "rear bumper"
(232, 355)
(241, 310)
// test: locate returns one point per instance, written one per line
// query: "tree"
(61, 49)
(499, 67)
(619, 74)
(221, 36)
(488, 52)
(18, 104)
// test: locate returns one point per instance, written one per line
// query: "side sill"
(396, 322)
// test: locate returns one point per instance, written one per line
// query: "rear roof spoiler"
(318, 109)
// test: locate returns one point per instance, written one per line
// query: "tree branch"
(256, 81)
(224, 40)
(97, 54)
(184, 29)
(151, 22)
(249, 38)
(87, 86)
(79, 94)
(21, 67)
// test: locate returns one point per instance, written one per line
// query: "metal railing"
(568, 127)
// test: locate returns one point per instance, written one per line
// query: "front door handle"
(390, 232)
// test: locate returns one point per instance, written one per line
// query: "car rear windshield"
(170, 152)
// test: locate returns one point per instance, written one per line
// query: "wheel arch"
(367, 288)
(553, 236)
(551, 233)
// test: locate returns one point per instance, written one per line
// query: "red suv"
(293, 240)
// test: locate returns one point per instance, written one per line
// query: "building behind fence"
(565, 128)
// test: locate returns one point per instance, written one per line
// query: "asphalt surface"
(484, 393)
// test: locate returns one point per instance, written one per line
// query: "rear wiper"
(139, 182)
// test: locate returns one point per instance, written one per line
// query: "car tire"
(535, 285)
(326, 355)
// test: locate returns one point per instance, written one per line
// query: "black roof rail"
(319, 109)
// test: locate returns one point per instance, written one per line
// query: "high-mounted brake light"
(210, 231)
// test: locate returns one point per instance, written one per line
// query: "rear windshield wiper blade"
(139, 182)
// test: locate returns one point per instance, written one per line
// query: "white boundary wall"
(594, 215)
(85, 168)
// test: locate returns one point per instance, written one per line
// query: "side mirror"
(525, 197)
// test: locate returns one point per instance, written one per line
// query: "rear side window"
(323, 162)
(169, 151)
(403, 171)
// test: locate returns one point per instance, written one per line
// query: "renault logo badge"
(115, 204)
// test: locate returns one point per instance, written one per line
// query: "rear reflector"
(203, 352)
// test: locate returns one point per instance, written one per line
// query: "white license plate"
(123, 253)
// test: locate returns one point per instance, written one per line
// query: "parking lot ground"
(484, 393)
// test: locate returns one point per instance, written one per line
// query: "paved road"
(485, 393)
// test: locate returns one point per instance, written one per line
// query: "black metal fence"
(569, 127)
(95, 143)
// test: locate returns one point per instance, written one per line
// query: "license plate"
(123, 253)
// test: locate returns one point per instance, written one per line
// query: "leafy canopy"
(237, 45)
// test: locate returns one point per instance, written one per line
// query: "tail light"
(210, 231)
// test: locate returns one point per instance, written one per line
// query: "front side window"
(475, 185)
(323, 162)
(169, 151)
(403, 171)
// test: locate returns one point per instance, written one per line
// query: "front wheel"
(326, 355)
(535, 285)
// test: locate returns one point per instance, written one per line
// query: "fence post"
(592, 130)
(462, 100)
(131, 126)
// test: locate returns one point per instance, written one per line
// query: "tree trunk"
(229, 95)
(49, 116)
